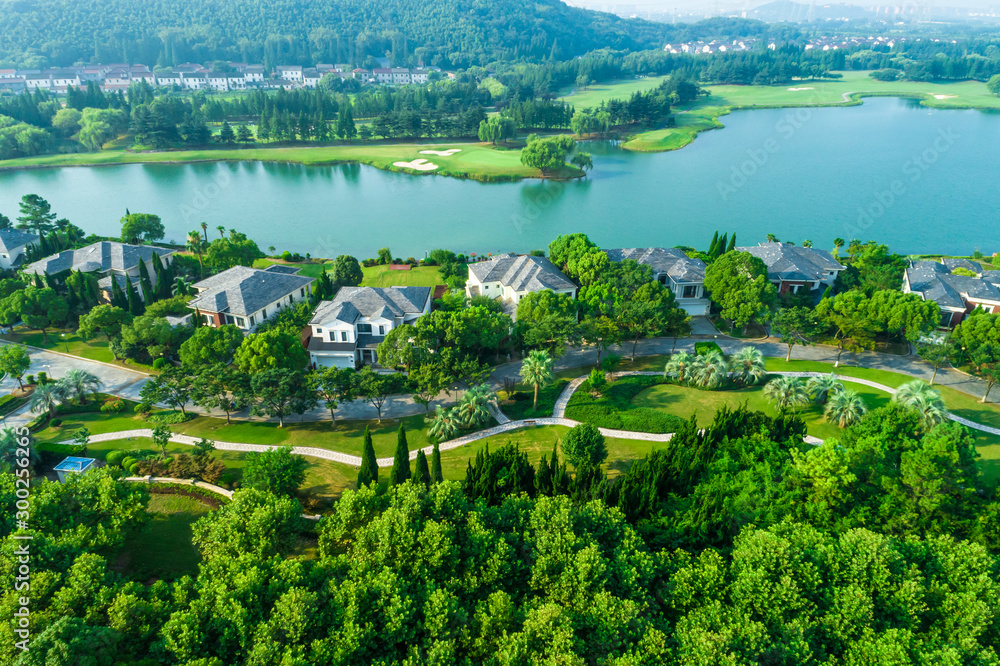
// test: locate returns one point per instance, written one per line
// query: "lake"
(921, 180)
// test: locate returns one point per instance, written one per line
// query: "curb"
(79, 358)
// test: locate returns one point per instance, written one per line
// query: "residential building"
(671, 267)
(35, 81)
(400, 76)
(382, 75)
(346, 331)
(106, 260)
(956, 295)
(194, 80)
(169, 79)
(246, 297)
(510, 277)
(118, 77)
(16, 84)
(236, 82)
(794, 269)
(13, 246)
(254, 73)
(419, 75)
(8, 73)
(64, 78)
(217, 81)
(310, 78)
(291, 73)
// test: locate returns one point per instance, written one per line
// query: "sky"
(715, 6)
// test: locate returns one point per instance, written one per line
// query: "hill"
(447, 33)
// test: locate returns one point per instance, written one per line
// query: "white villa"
(13, 246)
(246, 297)
(671, 267)
(510, 277)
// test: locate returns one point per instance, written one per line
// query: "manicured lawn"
(67, 341)
(311, 269)
(521, 408)
(477, 161)
(419, 276)
(163, 549)
(602, 92)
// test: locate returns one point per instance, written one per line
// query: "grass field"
(420, 276)
(67, 341)
(475, 161)
(311, 269)
(163, 549)
(847, 91)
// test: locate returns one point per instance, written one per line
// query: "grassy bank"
(474, 161)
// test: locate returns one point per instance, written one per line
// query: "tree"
(196, 245)
(37, 307)
(822, 387)
(536, 371)
(335, 386)
(78, 383)
(924, 400)
(347, 271)
(222, 387)
(368, 474)
(375, 388)
(473, 408)
(936, 353)
(436, 474)
(400, 460)
(427, 381)
(402, 347)
(269, 350)
(276, 470)
(244, 135)
(993, 85)
(161, 437)
(584, 445)
(445, 424)
(849, 313)
(548, 321)
(568, 248)
(211, 346)
(546, 154)
(421, 471)
(747, 366)
(14, 361)
(226, 134)
(384, 256)
(345, 123)
(738, 282)
(278, 392)
(679, 365)
(46, 398)
(709, 371)
(104, 318)
(796, 326)
(36, 213)
(845, 408)
(70, 640)
(786, 392)
(171, 387)
(236, 250)
(142, 228)
(582, 161)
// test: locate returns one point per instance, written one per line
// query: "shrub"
(30, 379)
(135, 469)
(113, 406)
(614, 408)
(170, 418)
(55, 423)
(43, 378)
(143, 408)
(585, 445)
(126, 462)
(286, 256)
(159, 363)
(706, 347)
(116, 457)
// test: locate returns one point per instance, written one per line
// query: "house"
(510, 277)
(105, 259)
(34, 81)
(194, 80)
(118, 77)
(246, 297)
(16, 84)
(169, 79)
(62, 78)
(400, 76)
(383, 75)
(217, 81)
(310, 78)
(956, 295)
(13, 245)
(236, 82)
(671, 267)
(346, 331)
(290, 73)
(795, 269)
(253, 73)
(419, 75)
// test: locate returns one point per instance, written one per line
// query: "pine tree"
(732, 243)
(38, 281)
(369, 465)
(143, 271)
(713, 245)
(148, 295)
(421, 474)
(162, 281)
(436, 475)
(401, 460)
(721, 247)
(72, 300)
(135, 305)
(43, 244)
(117, 297)
(560, 477)
(543, 478)
(50, 282)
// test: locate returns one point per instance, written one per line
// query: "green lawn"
(311, 269)
(419, 276)
(163, 549)
(594, 94)
(476, 161)
(67, 341)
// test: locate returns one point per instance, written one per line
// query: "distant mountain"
(794, 12)
(438, 32)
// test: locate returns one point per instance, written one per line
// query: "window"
(208, 320)
(290, 299)
(253, 322)
(319, 331)
(381, 330)
(690, 291)
(241, 322)
(343, 336)
(302, 291)
(263, 314)
(364, 328)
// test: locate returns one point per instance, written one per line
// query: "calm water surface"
(922, 180)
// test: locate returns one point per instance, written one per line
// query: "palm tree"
(786, 392)
(222, 231)
(845, 408)
(204, 227)
(747, 366)
(473, 408)
(78, 383)
(837, 244)
(444, 424)
(709, 371)
(194, 245)
(924, 399)
(679, 364)
(536, 370)
(771, 238)
(46, 397)
(821, 388)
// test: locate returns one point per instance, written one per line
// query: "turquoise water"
(920, 179)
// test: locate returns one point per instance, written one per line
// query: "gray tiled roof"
(14, 238)
(100, 256)
(671, 261)
(936, 283)
(792, 262)
(243, 291)
(951, 263)
(351, 303)
(522, 273)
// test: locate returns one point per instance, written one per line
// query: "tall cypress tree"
(732, 243)
(401, 460)
(436, 475)
(713, 245)
(421, 473)
(369, 465)
(543, 479)
(50, 282)
(721, 247)
(135, 306)
(143, 271)
(161, 280)
(560, 478)
(117, 297)
(148, 295)
(38, 281)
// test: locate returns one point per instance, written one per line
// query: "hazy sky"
(718, 5)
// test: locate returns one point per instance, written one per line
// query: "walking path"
(505, 425)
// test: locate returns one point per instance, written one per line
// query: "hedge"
(706, 346)
(614, 408)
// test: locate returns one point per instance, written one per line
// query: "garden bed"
(613, 408)
(519, 407)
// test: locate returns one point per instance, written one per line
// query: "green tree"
(335, 386)
(236, 250)
(36, 214)
(347, 271)
(276, 470)
(244, 134)
(993, 85)
(548, 321)
(738, 282)
(536, 371)
(786, 392)
(171, 387)
(226, 134)
(14, 361)
(936, 353)
(924, 400)
(400, 460)
(546, 154)
(222, 387)
(584, 445)
(421, 470)
(77, 384)
(375, 388)
(796, 326)
(368, 474)
(437, 476)
(582, 161)
(278, 392)
(142, 228)
(37, 307)
(849, 312)
(46, 399)
(345, 123)
(211, 346)
(384, 256)
(747, 366)
(269, 350)
(161, 437)
(845, 408)
(104, 318)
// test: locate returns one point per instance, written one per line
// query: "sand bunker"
(420, 165)
(441, 153)
(944, 96)
(797, 89)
